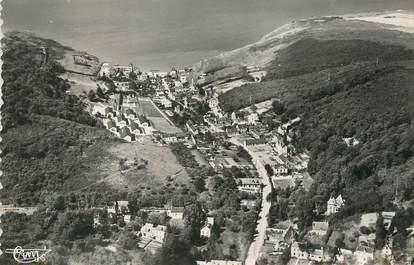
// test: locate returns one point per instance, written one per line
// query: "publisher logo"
(28, 255)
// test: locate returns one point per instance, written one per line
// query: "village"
(252, 145)
(181, 107)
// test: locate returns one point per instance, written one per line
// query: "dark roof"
(111, 124)
(124, 132)
(129, 112)
(134, 126)
(143, 119)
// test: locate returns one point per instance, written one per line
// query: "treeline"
(46, 132)
(375, 168)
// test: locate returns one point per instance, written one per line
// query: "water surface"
(159, 34)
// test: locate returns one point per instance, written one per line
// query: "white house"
(176, 213)
(299, 251)
(320, 228)
(166, 103)
(206, 229)
(252, 118)
(219, 262)
(250, 185)
(334, 204)
(152, 232)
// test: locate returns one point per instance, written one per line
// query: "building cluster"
(320, 243)
(123, 122)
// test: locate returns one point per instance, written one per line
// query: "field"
(160, 164)
(160, 121)
(79, 83)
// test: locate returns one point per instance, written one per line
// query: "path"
(253, 253)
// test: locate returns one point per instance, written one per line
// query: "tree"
(380, 232)
(269, 170)
(91, 95)
(278, 107)
(59, 203)
(99, 92)
(195, 218)
(199, 184)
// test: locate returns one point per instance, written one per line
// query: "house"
(143, 121)
(191, 128)
(118, 207)
(364, 255)
(255, 142)
(166, 103)
(111, 125)
(252, 118)
(101, 109)
(281, 236)
(120, 120)
(175, 212)
(219, 262)
(135, 129)
(283, 182)
(334, 204)
(280, 169)
(106, 70)
(153, 232)
(96, 221)
(127, 218)
(249, 204)
(123, 206)
(130, 114)
(319, 228)
(388, 216)
(250, 185)
(125, 134)
(206, 229)
(231, 131)
(299, 251)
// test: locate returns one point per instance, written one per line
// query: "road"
(253, 253)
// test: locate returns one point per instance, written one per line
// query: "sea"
(161, 34)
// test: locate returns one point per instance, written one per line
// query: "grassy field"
(79, 83)
(161, 164)
(148, 109)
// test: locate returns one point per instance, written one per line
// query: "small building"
(101, 109)
(143, 121)
(249, 204)
(206, 229)
(166, 103)
(252, 118)
(130, 114)
(121, 121)
(135, 129)
(299, 251)
(153, 232)
(176, 213)
(219, 262)
(250, 185)
(320, 228)
(283, 182)
(364, 255)
(126, 134)
(334, 204)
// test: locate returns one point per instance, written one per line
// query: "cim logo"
(28, 255)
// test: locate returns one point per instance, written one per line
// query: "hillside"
(50, 143)
(345, 77)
